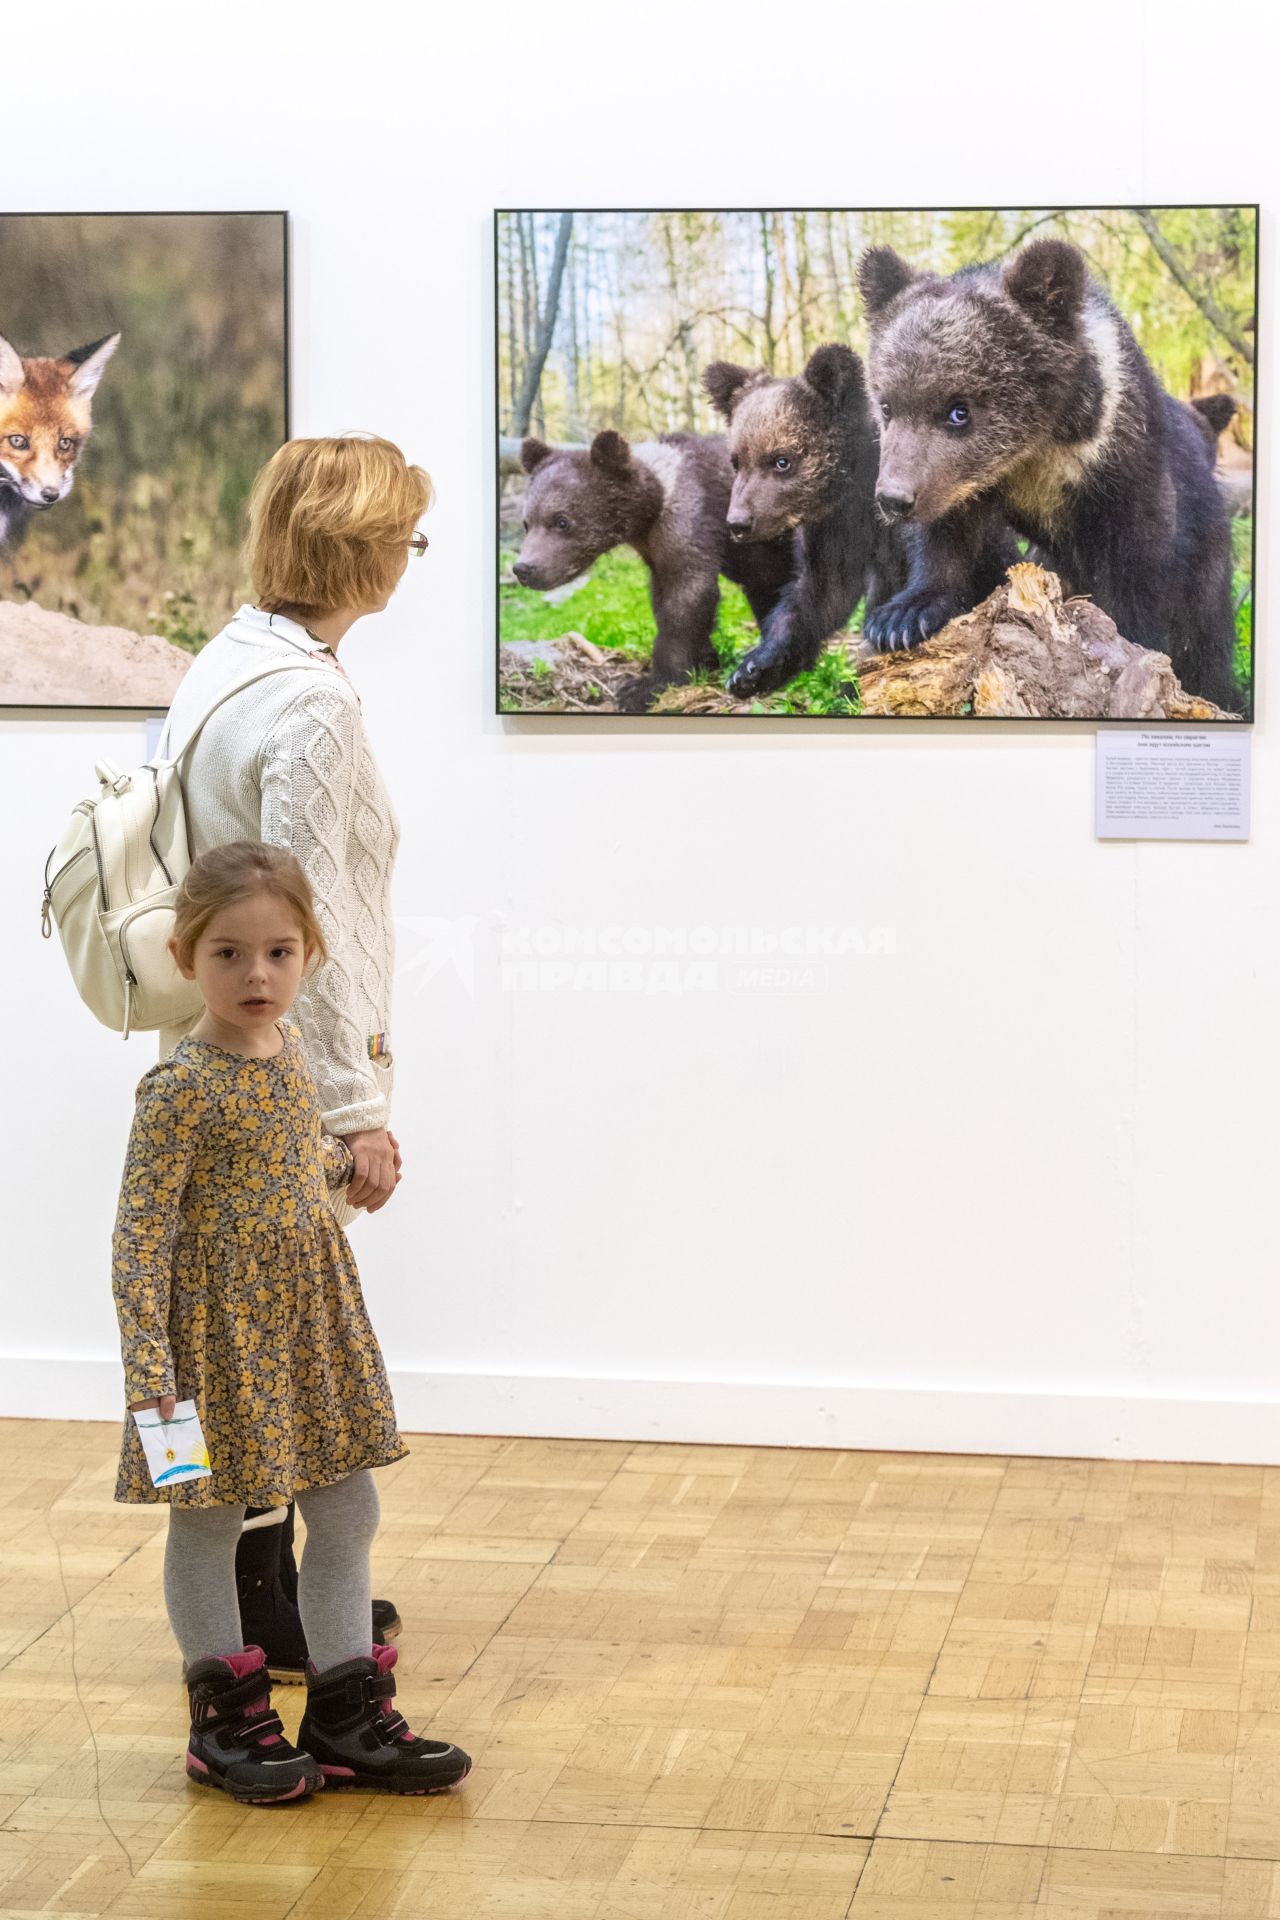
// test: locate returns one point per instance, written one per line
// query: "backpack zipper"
(130, 977)
(46, 904)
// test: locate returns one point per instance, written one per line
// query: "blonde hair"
(226, 875)
(329, 522)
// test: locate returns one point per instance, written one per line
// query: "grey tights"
(333, 1576)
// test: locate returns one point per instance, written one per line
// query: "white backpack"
(111, 881)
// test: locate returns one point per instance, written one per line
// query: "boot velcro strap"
(270, 1726)
(351, 1700)
(241, 1693)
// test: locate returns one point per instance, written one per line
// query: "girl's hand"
(166, 1403)
(376, 1170)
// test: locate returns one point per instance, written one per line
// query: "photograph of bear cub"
(991, 463)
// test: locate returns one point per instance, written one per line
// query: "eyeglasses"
(418, 544)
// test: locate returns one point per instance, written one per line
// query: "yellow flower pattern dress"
(235, 1286)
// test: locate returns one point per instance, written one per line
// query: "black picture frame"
(559, 718)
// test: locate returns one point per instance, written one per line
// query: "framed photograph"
(143, 383)
(991, 463)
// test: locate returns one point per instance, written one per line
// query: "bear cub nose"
(522, 571)
(896, 506)
(739, 529)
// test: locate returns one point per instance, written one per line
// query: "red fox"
(45, 408)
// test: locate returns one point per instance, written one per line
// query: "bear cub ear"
(882, 275)
(725, 384)
(610, 450)
(1218, 409)
(835, 372)
(533, 453)
(1048, 279)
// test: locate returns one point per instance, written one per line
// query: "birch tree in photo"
(544, 327)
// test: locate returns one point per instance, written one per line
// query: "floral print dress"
(235, 1286)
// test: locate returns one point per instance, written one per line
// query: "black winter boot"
(268, 1618)
(237, 1742)
(352, 1730)
(386, 1620)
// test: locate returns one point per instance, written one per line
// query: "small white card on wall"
(1173, 785)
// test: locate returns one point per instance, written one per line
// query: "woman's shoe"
(359, 1740)
(237, 1742)
(386, 1620)
(268, 1618)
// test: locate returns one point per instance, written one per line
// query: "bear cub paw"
(759, 671)
(636, 695)
(909, 618)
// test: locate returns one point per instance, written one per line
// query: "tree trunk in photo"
(572, 402)
(787, 326)
(770, 343)
(588, 287)
(513, 339)
(802, 282)
(546, 328)
(1199, 296)
(833, 274)
(526, 297)
(683, 332)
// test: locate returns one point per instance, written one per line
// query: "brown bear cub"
(1017, 393)
(669, 500)
(805, 453)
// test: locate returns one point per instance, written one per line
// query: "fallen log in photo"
(1027, 652)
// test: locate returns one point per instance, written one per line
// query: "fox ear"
(1048, 281)
(834, 371)
(610, 450)
(90, 364)
(533, 453)
(725, 385)
(11, 375)
(882, 275)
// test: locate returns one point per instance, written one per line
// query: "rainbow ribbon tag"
(379, 1046)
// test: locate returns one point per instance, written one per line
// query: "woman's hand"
(377, 1168)
(166, 1403)
(374, 1205)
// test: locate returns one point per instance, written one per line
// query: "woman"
(287, 760)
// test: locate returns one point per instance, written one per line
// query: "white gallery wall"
(998, 1173)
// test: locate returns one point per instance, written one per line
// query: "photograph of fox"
(677, 426)
(142, 385)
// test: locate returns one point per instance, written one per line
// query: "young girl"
(235, 1287)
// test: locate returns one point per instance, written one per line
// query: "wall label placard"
(1172, 785)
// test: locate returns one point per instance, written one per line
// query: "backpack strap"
(228, 693)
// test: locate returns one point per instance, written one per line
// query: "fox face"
(45, 419)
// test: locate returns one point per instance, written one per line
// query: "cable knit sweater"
(288, 761)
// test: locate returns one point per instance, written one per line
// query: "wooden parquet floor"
(699, 1683)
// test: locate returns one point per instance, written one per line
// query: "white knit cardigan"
(288, 761)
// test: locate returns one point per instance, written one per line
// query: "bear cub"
(805, 453)
(669, 499)
(1019, 393)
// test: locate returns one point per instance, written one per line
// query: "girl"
(235, 1287)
